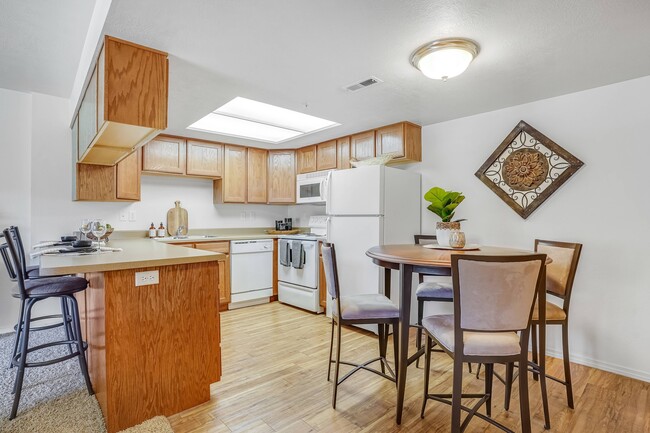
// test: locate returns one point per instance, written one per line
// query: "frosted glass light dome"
(445, 58)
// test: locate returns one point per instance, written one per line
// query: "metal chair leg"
(510, 366)
(383, 343)
(533, 336)
(567, 364)
(19, 327)
(457, 391)
(336, 367)
(329, 359)
(524, 406)
(427, 371)
(66, 324)
(395, 348)
(418, 341)
(80, 344)
(489, 374)
(20, 375)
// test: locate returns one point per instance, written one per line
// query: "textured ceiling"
(41, 43)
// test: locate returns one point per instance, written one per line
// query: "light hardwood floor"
(275, 380)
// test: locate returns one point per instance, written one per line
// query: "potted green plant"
(444, 204)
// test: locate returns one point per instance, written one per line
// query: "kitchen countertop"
(203, 235)
(137, 253)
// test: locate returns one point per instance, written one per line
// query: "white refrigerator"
(369, 206)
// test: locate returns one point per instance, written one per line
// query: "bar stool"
(32, 272)
(31, 291)
(484, 329)
(358, 309)
(560, 275)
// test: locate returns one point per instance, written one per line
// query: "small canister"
(457, 239)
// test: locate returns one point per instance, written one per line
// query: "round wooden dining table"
(410, 259)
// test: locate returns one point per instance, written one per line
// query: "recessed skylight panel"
(246, 118)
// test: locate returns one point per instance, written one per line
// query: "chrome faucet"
(179, 230)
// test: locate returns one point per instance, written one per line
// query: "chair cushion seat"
(553, 312)
(430, 289)
(368, 307)
(441, 327)
(54, 286)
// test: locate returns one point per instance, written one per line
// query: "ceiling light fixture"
(256, 120)
(444, 58)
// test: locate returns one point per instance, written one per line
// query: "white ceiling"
(41, 43)
(298, 54)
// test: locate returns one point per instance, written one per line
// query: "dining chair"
(493, 306)
(31, 291)
(560, 275)
(355, 310)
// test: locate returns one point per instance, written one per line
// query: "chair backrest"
(561, 272)
(4, 252)
(331, 272)
(15, 261)
(495, 293)
(424, 239)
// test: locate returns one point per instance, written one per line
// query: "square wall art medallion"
(527, 168)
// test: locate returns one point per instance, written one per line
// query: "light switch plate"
(146, 278)
(124, 216)
(132, 215)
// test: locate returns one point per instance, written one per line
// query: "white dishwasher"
(251, 272)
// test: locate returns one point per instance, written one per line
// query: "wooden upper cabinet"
(362, 145)
(257, 179)
(282, 177)
(403, 139)
(128, 176)
(166, 155)
(306, 159)
(343, 153)
(232, 188)
(127, 97)
(204, 158)
(326, 156)
(119, 182)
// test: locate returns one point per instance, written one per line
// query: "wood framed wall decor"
(527, 168)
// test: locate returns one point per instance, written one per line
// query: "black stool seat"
(53, 286)
(33, 272)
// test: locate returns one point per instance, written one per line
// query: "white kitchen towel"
(285, 253)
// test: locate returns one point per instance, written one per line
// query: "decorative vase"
(456, 239)
(443, 229)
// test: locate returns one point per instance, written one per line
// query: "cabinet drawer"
(216, 247)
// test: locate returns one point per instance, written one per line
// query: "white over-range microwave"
(312, 187)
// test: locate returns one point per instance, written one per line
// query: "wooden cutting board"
(177, 217)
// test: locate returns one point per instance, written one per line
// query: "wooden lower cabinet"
(224, 268)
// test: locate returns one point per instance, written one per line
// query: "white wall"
(15, 135)
(605, 206)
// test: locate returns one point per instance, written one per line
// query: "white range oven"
(312, 187)
(299, 266)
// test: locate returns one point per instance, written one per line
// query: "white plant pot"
(443, 230)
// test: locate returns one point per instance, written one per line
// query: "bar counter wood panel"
(153, 350)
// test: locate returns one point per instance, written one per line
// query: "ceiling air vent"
(363, 84)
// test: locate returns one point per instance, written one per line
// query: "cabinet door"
(128, 177)
(390, 139)
(362, 146)
(88, 116)
(282, 176)
(257, 164)
(306, 159)
(326, 156)
(343, 153)
(235, 174)
(224, 269)
(204, 159)
(164, 155)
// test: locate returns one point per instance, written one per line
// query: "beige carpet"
(74, 413)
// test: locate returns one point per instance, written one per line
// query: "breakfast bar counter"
(153, 348)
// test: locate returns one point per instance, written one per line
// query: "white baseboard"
(602, 365)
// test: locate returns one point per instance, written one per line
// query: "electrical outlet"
(124, 216)
(146, 278)
(132, 215)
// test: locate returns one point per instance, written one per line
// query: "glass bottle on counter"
(152, 231)
(161, 231)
